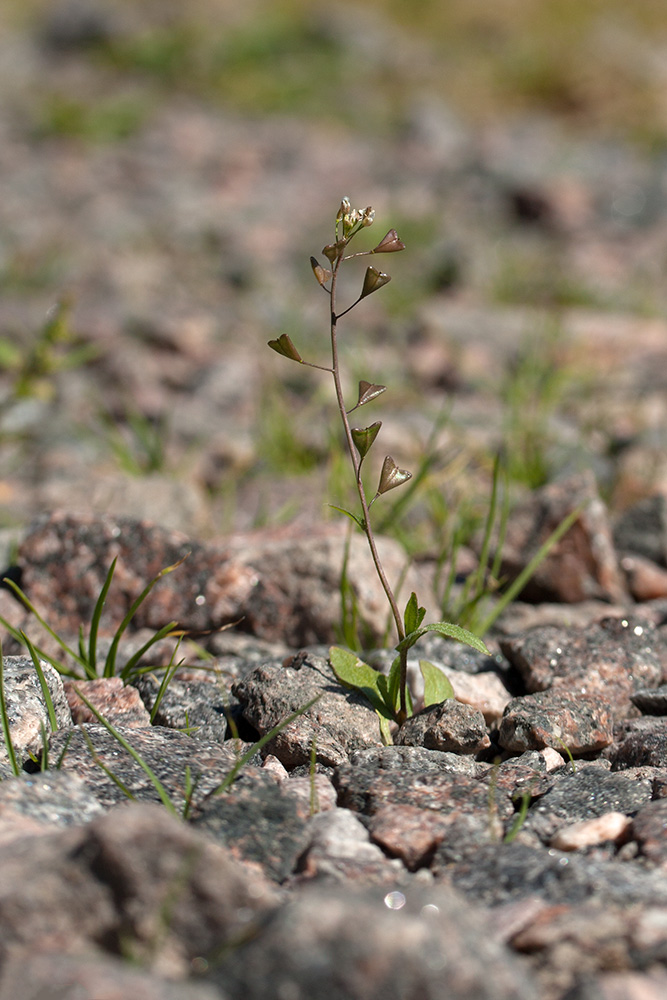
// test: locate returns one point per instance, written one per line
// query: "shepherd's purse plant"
(389, 695)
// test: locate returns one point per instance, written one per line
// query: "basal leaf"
(354, 673)
(437, 686)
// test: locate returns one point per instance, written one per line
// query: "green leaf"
(393, 683)
(414, 615)
(437, 687)
(447, 629)
(283, 345)
(354, 673)
(383, 688)
(385, 731)
(363, 437)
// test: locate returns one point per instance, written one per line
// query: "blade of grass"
(524, 576)
(256, 747)
(154, 780)
(97, 614)
(54, 635)
(4, 718)
(164, 684)
(107, 770)
(63, 752)
(110, 664)
(165, 632)
(42, 683)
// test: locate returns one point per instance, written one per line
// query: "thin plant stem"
(356, 463)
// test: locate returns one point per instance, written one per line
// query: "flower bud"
(351, 221)
(389, 243)
(344, 209)
(373, 280)
(368, 216)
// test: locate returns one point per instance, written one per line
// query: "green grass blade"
(190, 790)
(42, 683)
(107, 770)
(44, 759)
(60, 667)
(54, 635)
(97, 614)
(4, 718)
(256, 747)
(110, 664)
(437, 687)
(154, 780)
(164, 684)
(63, 752)
(524, 576)
(165, 632)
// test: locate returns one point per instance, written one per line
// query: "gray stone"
(583, 564)
(340, 721)
(166, 752)
(651, 702)
(70, 977)
(134, 880)
(611, 659)
(258, 820)
(27, 710)
(54, 798)
(500, 873)
(642, 529)
(579, 723)
(621, 986)
(449, 726)
(644, 743)
(589, 792)
(648, 830)
(347, 944)
(416, 759)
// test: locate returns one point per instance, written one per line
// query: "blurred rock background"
(168, 169)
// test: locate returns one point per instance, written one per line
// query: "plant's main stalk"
(389, 695)
(356, 460)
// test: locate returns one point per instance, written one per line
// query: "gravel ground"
(511, 844)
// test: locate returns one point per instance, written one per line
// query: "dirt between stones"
(511, 843)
